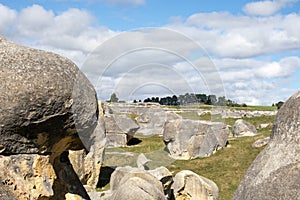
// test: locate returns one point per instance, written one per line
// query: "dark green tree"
(113, 98)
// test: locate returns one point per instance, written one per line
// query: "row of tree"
(190, 98)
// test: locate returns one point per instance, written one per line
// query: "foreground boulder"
(135, 184)
(190, 186)
(275, 173)
(187, 139)
(47, 108)
(243, 128)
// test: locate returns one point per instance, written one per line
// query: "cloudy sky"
(248, 51)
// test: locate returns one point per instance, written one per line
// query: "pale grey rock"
(120, 128)
(150, 117)
(264, 125)
(261, 142)
(275, 173)
(187, 139)
(190, 186)
(165, 177)
(135, 184)
(243, 128)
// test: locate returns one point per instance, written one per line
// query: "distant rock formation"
(47, 108)
(120, 128)
(190, 186)
(243, 128)
(275, 173)
(187, 139)
(150, 117)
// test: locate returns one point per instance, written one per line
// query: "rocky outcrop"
(275, 173)
(47, 108)
(190, 186)
(120, 129)
(243, 128)
(150, 117)
(188, 139)
(135, 184)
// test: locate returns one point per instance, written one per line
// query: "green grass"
(256, 108)
(226, 167)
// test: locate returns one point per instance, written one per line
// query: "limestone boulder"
(187, 139)
(45, 102)
(47, 108)
(243, 128)
(150, 117)
(275, 173)
(135, 184)
(190, 186)
(120, 129)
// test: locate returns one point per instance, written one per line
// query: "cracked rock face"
(47, 107)
(275, 173)
(45, 101)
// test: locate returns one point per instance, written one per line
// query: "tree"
(113, 98)
(279, 104)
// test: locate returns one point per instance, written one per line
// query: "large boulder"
(187, 139)
(135, 184)
(45, 102)
(190, 186)
(47, 108)
(275, 173)
(243, 128)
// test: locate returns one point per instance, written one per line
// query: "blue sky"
(253, 46)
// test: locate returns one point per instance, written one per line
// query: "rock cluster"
(275, 173)
(135, 184)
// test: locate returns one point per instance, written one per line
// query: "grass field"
(226, 167)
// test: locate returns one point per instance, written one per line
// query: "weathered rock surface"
(39, 94)
(135, 184)
(47, 108)
(275, 173)
(243, 128)
(190, 186)
(150, 117)
(5, 193)
(188, 139)
(119, 129)
(28, 176)
(165, 177)
(87, 164)
(261, 142)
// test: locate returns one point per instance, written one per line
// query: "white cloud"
(266, 8)
(227, 35)
(234, 42)
(7, 16)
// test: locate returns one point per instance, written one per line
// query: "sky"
(247, 51)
